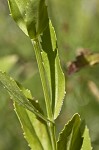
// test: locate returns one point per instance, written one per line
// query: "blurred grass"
(76, 24)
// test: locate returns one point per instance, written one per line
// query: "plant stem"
(43, 78)
(51, 126)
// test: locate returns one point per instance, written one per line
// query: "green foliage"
(30, 15)
(39, 127)
(71, 138)
(53, 69)
(74, 136)
(17, 95)
(35, 129)
(86, 142)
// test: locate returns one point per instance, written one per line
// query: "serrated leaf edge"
(88, 139)
(76, 114)
(24, 134)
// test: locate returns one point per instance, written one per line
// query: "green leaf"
(29, 113)
(35, 131)
(86, 142)
(54, 74)
(28, 95)
(17, 94)
(30, 15)
(71, 137)
(18, 11)
(36, 17)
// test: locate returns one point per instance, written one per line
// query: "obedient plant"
(38, 126)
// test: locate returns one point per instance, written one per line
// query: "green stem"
(43, 78)
(51, 126)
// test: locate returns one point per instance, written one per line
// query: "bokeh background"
(77, 26)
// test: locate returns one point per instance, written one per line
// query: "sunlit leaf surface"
(54, 74)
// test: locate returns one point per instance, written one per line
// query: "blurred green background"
(77, 26)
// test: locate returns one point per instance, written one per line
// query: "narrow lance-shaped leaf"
(70, 137)
(30, 15)
(35, 129)
(18, 11)
(17, 95)
(54, 74)
(86, 142)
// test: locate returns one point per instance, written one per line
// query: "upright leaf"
(36, 17)
(18, 12)
(54, 74)
(86, 142)
(29, 113)
(27, 125)
(35, 129)
(30, 15)
(71, 137)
